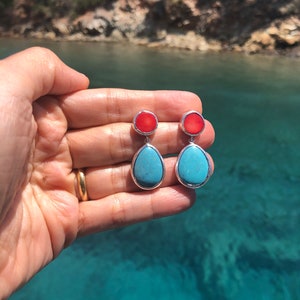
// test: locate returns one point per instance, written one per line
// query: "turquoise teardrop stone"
(148, 168)
(192, 167)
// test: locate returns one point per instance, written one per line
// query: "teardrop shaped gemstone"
(147, 168)
(192, 168)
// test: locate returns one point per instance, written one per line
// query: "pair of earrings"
(192, 168)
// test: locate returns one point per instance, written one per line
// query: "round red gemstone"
(145, 122)
(193, 123)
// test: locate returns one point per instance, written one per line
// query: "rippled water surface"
(241, 239)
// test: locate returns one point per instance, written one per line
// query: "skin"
(52, 124)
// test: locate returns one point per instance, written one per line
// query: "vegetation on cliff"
(243, 25)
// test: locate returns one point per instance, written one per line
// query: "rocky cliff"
(251, 26)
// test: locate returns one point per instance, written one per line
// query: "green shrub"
(5, 4)
(80, 6)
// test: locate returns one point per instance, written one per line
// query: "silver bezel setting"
(183, 119)
(142, 132)
(209, 173)
(133, 164)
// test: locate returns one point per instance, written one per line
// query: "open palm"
(51, 126)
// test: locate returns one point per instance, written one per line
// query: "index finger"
(36, 72)
(97, 107)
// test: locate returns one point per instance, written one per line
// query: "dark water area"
(241, 239)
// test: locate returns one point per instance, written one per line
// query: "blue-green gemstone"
(148, 168)
(192, 167)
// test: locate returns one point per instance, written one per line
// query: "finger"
(127, 208)
(117, 143)
(37, 71)
(104, 106)
(118, 179)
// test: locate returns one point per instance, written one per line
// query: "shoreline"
(143, 42)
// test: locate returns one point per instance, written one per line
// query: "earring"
(147, 168)
(193, 168)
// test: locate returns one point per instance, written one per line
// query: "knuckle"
(118, 213)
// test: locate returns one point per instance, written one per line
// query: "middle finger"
(118, 142)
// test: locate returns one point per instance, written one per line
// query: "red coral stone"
(193, 123)
(145, 122)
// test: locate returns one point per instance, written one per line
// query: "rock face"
(249, 26)
(281, 34)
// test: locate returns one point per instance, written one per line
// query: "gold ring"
(81, 185)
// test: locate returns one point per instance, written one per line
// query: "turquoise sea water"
(241, 239)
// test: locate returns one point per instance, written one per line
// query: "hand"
(49, 128)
